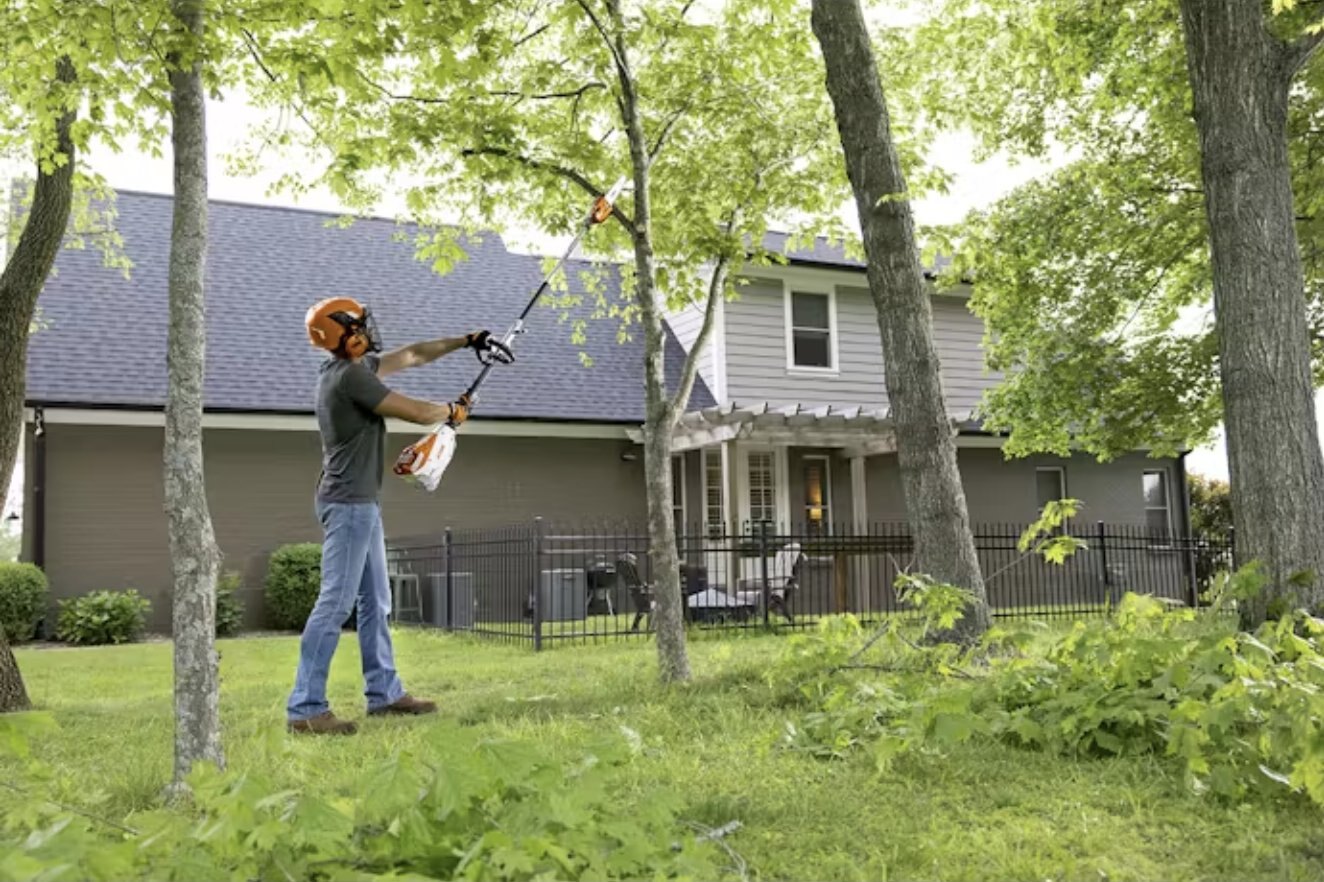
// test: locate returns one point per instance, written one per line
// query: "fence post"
(763, 566)
(450, 582)
(537, 584)
(1190, 560)
(1232, 546)
(1103, 560)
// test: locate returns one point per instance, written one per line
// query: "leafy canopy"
(1094, 281)
(487, 114)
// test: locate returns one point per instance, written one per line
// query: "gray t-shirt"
(353, 437)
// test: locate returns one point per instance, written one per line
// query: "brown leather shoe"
(324, 724)
(407, 704)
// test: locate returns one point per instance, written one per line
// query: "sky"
(974, 185)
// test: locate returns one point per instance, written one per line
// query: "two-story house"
(787, 423)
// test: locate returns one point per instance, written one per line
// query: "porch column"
(731, 497)
(859, 504)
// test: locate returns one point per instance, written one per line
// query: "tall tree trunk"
(20, 284)
(194, 557)
(13, 694)
(672, 656)
(926, 444)
(1240, 76)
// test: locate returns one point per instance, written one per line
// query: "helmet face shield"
(360, 335)
(370, 332)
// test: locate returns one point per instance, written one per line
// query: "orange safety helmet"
(342, 326)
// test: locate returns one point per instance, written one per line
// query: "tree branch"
(1302, 49)
(666, 131)
(562, 171)
(690, 371)
(543, 96)
(254, 50)
(503, 93)
(606, 38)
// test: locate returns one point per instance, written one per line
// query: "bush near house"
(229, 609)
(103, 617)
(294, 577)
(23, 591)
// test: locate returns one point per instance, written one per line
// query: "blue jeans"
(353, 571)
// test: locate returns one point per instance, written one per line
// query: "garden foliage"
(294, 577)
(229, 608)
(103, 617)
(461, 808)
(1237, 712)
(22, 599)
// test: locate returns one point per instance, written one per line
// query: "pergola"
(857, 431)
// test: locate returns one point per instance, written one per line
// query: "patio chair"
(782, 581)
(641, 593)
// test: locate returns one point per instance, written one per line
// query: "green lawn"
(979, 812)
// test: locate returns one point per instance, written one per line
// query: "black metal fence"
(542, 585)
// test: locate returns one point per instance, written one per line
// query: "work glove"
(488, 348)
(460, 410)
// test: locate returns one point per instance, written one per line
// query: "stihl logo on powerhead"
(425, 461)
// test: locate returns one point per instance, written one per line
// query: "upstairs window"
(811, 330)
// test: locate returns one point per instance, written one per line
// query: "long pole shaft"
(518, 327)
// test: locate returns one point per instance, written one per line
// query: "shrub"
(103, 617)
(229, 609)
(459, 807)
(294, 577)
(22, 599)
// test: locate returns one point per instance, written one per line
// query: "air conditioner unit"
(458, 615)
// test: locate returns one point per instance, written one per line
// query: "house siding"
(1002, 501)
(756, 363)
(1002, 491)
(106, 527)
(686, 324)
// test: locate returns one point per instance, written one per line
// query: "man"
(352, 404)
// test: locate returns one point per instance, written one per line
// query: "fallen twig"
(718, 835)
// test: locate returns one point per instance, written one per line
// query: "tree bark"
(20, 285)
(1240, 76)
(926, 444)
(194, 557)
(13, 694)
(672, 656)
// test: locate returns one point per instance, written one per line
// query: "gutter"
(123, 407)
(38, 517)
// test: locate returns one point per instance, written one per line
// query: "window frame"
(713, 527)
(789, 290)
(1061, 490)
(826, 523)
(679, 495)
(1166, 508)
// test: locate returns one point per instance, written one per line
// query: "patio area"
(542, 584)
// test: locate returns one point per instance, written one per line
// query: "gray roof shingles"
(104, 343)
(824, 253)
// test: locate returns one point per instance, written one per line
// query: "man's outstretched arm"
(417, 354)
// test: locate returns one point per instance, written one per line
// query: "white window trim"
(684, 493)
(830, 291)
(827, 488)
(780, 472)
(1167, 507)
(1061, 485)
(708, 523)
